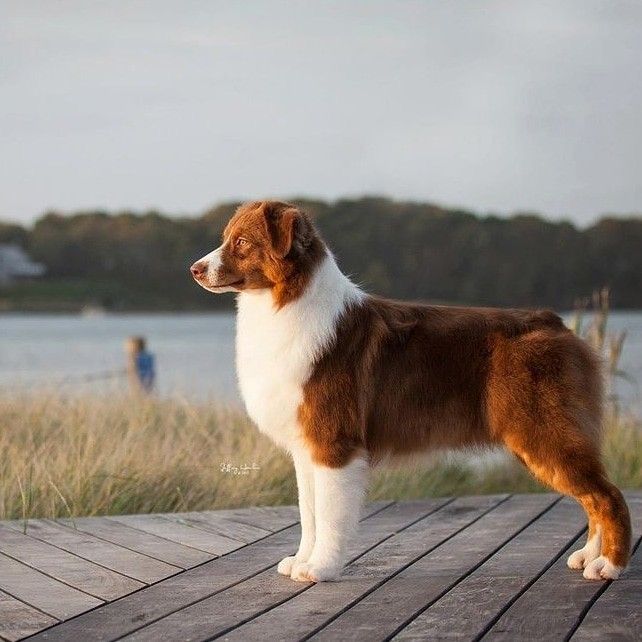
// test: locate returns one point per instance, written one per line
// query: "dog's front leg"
(338, 495)
(305, 484)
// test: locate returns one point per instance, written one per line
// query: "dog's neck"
(307, 323)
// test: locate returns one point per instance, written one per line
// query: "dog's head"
(266, 245)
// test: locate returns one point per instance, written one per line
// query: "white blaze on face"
(214, 260)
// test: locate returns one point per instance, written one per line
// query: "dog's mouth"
(231, 284)
(221, 287)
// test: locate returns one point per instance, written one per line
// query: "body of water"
(194, 352)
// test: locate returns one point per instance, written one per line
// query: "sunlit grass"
(72, 456)
(124, 455)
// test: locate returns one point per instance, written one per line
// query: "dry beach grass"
(90, 455)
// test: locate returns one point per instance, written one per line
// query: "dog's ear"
(285, 225)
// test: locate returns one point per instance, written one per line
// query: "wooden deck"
(490, 567)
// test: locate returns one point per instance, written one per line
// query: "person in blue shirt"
(141, 367)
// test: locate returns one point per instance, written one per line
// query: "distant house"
(15, 264)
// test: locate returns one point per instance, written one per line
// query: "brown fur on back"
(402, 378)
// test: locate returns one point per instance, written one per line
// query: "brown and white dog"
(344, 380)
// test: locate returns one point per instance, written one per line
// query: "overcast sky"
(491, 105)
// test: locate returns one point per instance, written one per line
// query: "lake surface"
(194, 352)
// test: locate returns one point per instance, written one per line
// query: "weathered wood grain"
(387, 609)
(61, 565)
(41, 591)
(140, 542)
(271, 518)
(185, 534)
(473, 568)
(465, 611)
(210, 521)
(179, 591)
(313, 608)
(18, 620)
(552, 606)
(116, 558)
(225, 610)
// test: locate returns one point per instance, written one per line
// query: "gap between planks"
(215, 615)
(133, 611)
(276, 516)
(309, 609)
(555, 602)
(415, 586)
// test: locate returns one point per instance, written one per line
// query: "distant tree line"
(132, 261)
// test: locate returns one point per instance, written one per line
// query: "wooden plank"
(271, 518)
(215, 615)
(179, 591)
(187, 535)
(310, 610)
(41, 591)
(114, 557)
(551, 607)
(140, 542)
(18, 620)
(387, 609)
(465, 611)
(61, 565)
(617, 614)
(210, 521)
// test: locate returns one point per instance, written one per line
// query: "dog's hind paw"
(581, 558)
(601, 569)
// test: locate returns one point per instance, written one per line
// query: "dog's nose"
(198, 269)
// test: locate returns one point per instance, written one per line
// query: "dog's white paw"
(590, 551)
(582, 558)
(286, 565)
(601, 569)
(309, 572)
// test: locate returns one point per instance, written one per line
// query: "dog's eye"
(240, 242)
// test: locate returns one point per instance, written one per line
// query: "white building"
(15, 264)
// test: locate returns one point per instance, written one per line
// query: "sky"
(495, 106)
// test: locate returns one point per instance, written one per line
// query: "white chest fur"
(276, 349)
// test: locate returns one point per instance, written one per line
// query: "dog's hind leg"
(544, 403)
(575, 469)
